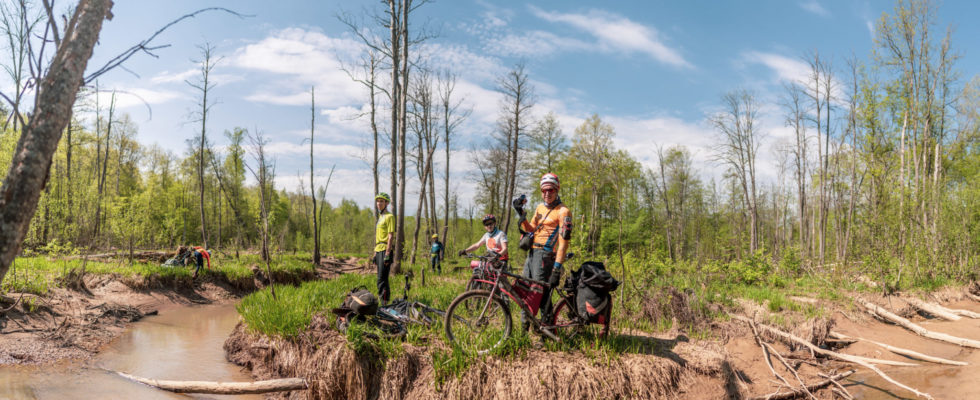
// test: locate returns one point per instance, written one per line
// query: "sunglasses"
(548, 190)
(489, 223)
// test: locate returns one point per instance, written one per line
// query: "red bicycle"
(479, 320)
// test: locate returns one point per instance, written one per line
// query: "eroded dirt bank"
(730, 365)
(77, 320)
(75, 324)
(669, 366)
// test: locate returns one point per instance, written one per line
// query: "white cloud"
(617, 33)
(170, 77)
(139, 97)
(534, 44)
(786, 68)
(296, 59)
(814, 7)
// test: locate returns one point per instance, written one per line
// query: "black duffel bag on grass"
(360, 301)
(592, 304)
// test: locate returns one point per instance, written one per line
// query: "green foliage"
(751, 270)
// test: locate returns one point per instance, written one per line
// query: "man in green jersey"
(384, 232)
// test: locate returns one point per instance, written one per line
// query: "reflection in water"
(182, 344)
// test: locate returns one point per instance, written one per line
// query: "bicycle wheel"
(477, 322)
(566, 322)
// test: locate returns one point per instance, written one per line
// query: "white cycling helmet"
(550, 179)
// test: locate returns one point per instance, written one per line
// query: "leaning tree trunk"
(29, 167)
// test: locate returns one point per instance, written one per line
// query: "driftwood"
(885, 362)
(901, 351)
(972, 296)
(933, 309)
(809, 388)
(880, 312)
(258, 387)
(950, 311)
(827, 353)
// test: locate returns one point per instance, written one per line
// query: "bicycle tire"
(565, 321)
(473, 330)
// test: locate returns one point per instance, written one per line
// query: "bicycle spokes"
(477, 322)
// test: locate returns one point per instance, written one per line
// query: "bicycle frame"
(504, 287)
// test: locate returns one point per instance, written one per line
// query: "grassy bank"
(656, 296)
(38, 274)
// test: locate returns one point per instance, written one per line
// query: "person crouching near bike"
(384, 231)
(495, 239)
(551, 228)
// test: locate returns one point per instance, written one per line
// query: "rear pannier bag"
(592, 285)
(591, 304)
(594, 275)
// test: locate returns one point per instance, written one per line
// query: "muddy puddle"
(183, 343)
(940, 381)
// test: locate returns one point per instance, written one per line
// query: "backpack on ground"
(361, 302)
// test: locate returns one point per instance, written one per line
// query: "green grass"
(38, 274)
(710, 291)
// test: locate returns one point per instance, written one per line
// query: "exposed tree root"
(901, 351)
(949, 311)
(972, 296)
(932, 309)
(882, 313)
(809, 388)
(885, 362)
(257, 387)
(827, 353)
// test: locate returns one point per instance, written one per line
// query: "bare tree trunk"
(32, 158)
(316, 227)
(204, 86)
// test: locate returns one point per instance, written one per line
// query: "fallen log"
(809, 388)
(933, 309)
(900, 351)
(827, 353)
(885, 362)
(953, 311)
(882, 313)
(257, 387)
(972, 296)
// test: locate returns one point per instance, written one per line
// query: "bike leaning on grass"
(479, 320)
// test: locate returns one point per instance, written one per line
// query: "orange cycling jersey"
(204, 253)
(555, 231)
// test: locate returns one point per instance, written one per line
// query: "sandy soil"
(73, 324)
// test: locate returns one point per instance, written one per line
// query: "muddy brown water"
(183, 343)
(940, 381)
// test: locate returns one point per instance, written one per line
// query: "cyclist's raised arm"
(564, 233)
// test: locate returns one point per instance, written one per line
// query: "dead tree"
(204, 85)
(316, 227)
(58, 88)
(264, 175)
(453, 114)
(514, 120)
(795, 118)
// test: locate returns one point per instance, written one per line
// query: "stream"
(182, 343)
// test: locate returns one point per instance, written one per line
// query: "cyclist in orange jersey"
(551, 226)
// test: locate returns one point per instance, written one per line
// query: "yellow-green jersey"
(386, 226)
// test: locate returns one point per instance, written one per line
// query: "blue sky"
(653, 69)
